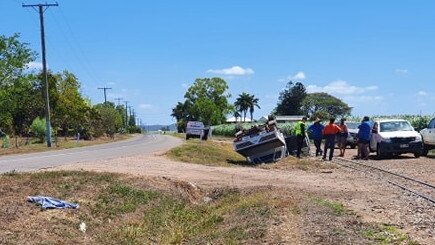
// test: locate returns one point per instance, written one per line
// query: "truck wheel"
(425, 150)
(379, 154)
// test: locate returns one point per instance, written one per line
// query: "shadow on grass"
(240, 162)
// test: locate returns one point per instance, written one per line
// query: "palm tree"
(242, 104)
(253, 102)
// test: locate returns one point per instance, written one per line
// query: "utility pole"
(104, 88)
(126, 115)
(119, 100)
(41, 9)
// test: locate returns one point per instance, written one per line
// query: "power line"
(41, 9)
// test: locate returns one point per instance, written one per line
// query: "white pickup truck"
(394, 137)
(428, 135)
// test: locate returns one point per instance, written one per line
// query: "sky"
(377, 56)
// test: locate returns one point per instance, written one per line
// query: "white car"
(428, 135)
(352, 138)
(194, 129)
(394, 137)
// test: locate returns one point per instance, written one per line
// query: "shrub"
(38, 128)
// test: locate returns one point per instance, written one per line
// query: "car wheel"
(379, 154)
(417, 154)
(187, 137)
(353, 146)
(425, 150)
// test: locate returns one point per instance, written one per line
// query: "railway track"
(414, 186)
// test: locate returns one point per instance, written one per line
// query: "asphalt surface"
(142, 144)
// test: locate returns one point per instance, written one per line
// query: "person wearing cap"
(316, 130)
(329, 133)
(364, 134)
(342, 136)
(300, 132)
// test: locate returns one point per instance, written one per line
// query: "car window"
(395, 126)
(352, 125)
(432, 124)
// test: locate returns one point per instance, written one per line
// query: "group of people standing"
(333, 133)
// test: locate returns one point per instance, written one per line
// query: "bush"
(38, 128)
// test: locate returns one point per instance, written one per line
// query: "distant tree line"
(207, 101)
(22, 101)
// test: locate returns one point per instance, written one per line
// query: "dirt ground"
(371, 199)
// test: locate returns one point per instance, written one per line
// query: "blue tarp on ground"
(50, 202)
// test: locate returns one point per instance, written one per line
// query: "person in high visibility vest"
(300, 132)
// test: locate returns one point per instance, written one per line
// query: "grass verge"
(30, 147)
(212, 153)
(117, 210)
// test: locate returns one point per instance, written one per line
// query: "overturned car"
(261, 144)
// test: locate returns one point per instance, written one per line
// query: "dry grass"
(120, 210)
(213, 153)
(29, 146)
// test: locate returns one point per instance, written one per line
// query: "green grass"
(206, 152)
(387, 234)
(336, 207)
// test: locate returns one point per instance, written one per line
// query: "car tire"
(425, 150)
(187, 137)
(379, 154)
(353, 146)
(417, 154)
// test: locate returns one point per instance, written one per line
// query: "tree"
(207, 100)
(290, 100)
(14, 57)
(69, 110)
(110, 120)
(20, 103)
(253, 102)
(242, 104)
(181, 114)
(324, 106)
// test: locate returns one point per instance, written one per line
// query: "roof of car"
(391, 120)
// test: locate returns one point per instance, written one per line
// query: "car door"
(431, 132)
(374, 137)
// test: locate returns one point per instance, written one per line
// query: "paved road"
(142, 144)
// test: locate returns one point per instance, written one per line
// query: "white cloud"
(402, 71)
(300, 76)
(363, 98)
(422, 93)
(184, 85)
(34, 65)
(145, 106)
(340, 88)
(233, 71)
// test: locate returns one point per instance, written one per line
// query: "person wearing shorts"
(342, 137)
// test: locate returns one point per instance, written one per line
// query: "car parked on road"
(194, 129)
(428, 135)
(394, 137)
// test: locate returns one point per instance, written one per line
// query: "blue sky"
(377, 56)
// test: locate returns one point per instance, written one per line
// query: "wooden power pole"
(41, 9)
